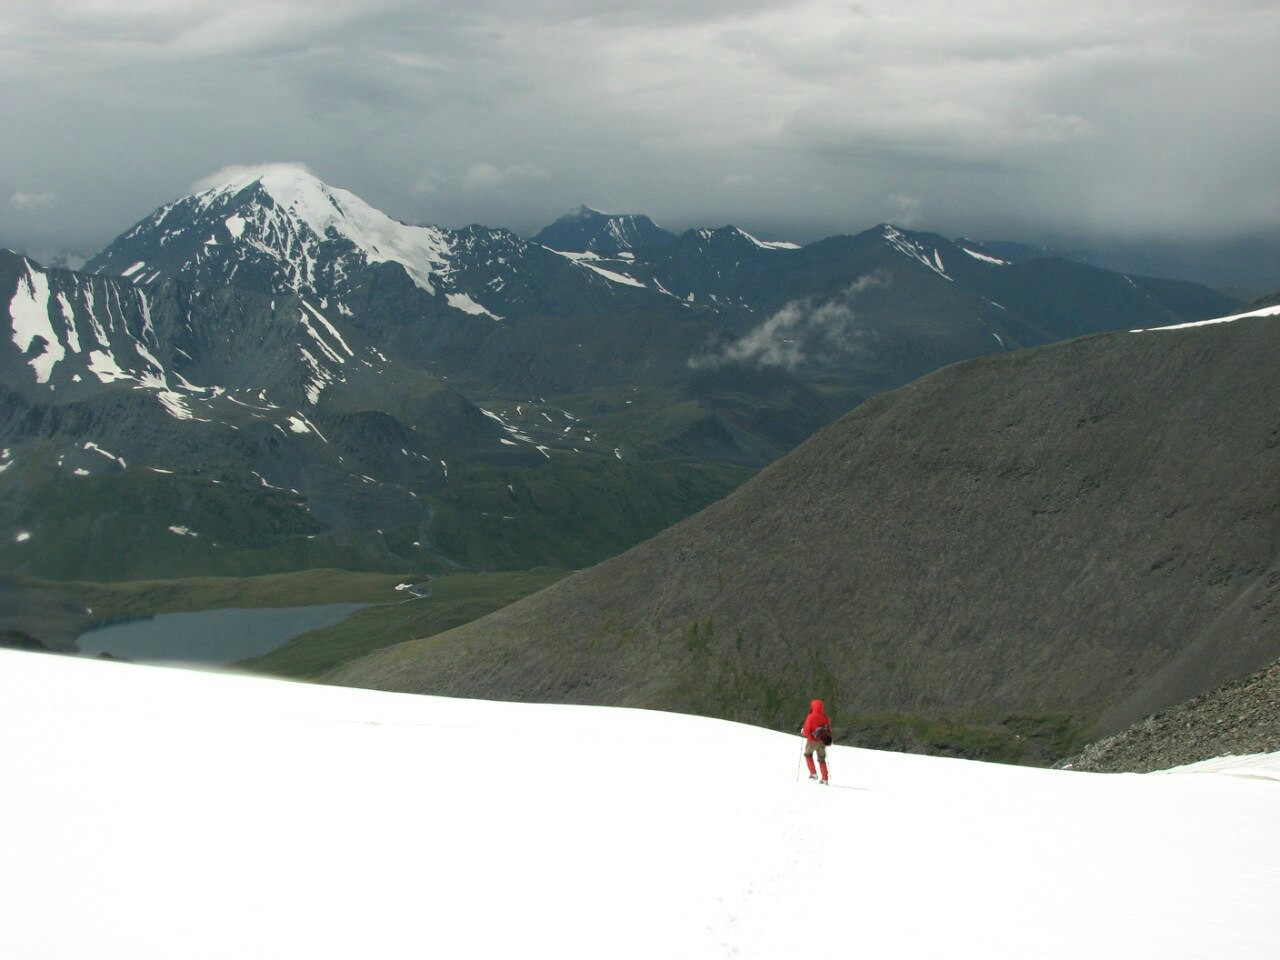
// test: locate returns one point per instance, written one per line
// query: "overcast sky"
(794, 120)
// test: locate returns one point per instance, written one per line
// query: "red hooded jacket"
(816, 718)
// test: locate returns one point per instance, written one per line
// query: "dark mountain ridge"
(585, 229)
(1069, 537)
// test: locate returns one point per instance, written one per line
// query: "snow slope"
(159, 813)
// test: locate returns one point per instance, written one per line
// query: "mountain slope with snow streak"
(158, 813)
(190, 350)
(607, 234)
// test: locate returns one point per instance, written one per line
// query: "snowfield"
(1272, 311)
(163, 813)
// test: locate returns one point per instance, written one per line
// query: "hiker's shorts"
(811, 745)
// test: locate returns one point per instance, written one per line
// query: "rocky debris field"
(1239, 718)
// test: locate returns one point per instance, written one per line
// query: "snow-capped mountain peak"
(330, 213)
(281, 224)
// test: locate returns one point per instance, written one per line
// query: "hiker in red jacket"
(817, 737)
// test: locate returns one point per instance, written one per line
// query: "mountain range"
(270, 374)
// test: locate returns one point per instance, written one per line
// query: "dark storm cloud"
(792, 119)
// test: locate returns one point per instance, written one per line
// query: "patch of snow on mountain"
(985, 258)
(463, 302)
(899, 241)
(321, 377)
(155, 377)
(99, 332)
(300, 424)
(333, 331)
(263, 480)
(103, 365)
(769, 244)
(661, 289)
(621, 230)
(69, 322)
(320, 342)
(93, 447)
(613, 275)
(1264, 312)
(513, 431)
(29, 311)
(589, 261)
(176, 405)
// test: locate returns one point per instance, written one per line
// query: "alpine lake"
(210, 637)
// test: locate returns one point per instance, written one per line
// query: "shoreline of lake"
(209, 637)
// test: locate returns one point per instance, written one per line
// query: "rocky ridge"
(1236, 719)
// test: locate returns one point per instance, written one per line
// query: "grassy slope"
(454, 600)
